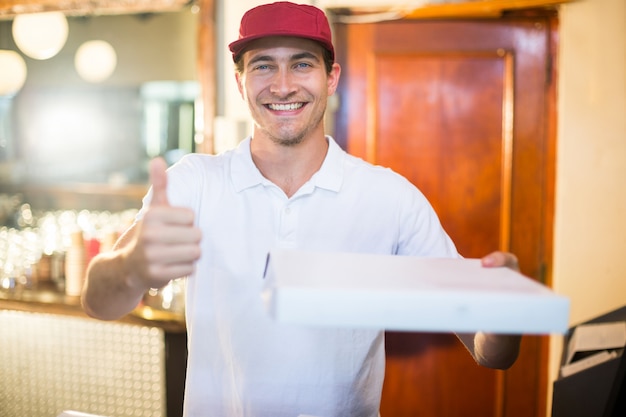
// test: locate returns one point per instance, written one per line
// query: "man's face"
(286, 86)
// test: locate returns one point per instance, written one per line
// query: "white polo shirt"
(241, 363)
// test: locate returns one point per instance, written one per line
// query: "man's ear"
(239, 83)
(333, 78)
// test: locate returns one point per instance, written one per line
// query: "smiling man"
(286, 87)
(285, 84)
(288, 185)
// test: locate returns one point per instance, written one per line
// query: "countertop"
(43, 300)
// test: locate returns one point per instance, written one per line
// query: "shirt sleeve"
(420, 230)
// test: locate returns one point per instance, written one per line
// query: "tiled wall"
(51, 363)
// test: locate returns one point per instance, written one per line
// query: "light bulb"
(95, 61)
(12, 72)
(40, 35)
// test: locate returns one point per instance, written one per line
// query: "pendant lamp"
(40, 35)
(95, 61)
(12, 72)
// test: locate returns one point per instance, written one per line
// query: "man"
(214, 219)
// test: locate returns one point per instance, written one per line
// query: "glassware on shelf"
(34, 246)
(170, 298)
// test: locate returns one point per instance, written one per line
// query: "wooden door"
(465, 110)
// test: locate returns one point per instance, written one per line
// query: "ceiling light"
(95, 61)
(12, 72)
(40, 35)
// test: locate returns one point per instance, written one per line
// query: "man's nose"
(282, 83)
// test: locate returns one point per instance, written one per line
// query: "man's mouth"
(285, 106)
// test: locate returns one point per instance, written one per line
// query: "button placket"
(288, 224)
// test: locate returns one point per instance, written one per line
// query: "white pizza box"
(406, 293)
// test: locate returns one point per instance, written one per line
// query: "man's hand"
(166, 244)
(497, 259)
(497, 351)
(163, 246)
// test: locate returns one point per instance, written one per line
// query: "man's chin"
(288, 138)
(288, 141)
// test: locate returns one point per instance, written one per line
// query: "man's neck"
(289, 166)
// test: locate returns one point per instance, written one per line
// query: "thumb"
(158, 179)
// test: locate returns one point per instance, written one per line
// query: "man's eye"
(261, 67)
(303, 65)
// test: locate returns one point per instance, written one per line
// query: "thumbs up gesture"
(166, 243)
(158, 179)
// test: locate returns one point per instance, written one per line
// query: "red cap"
(283, 19)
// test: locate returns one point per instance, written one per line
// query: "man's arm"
(108, 293)
(164, 245)
(497, 351)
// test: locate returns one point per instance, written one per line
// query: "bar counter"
(54, 358)
(55, 302)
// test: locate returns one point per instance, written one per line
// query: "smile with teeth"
(285, 107)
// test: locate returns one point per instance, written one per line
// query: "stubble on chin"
(289, 141)
(288, 136)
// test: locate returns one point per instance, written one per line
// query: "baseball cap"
(283, 18)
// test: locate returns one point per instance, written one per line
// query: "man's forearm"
(107, 294)
(498, 351)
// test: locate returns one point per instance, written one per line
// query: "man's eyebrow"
(294, 57)
(305, 55)
(259, 58)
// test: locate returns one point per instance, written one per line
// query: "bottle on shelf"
(75, 264)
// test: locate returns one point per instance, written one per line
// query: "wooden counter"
(55, 302)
